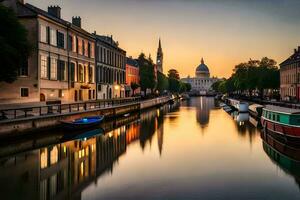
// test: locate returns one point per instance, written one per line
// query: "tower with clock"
(159, 58)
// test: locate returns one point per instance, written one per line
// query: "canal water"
(189, 150)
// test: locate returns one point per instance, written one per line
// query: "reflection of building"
(290, 77)
(63, 171)
(111, 61)
(203, 107)
(201, 84)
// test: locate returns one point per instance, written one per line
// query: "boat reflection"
(64, 170)
(285, 156)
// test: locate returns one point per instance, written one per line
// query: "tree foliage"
(249, 76)
(162, 82)
(14, 45)
(147, 76)
(134, 86)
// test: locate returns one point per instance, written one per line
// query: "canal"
(188, 150)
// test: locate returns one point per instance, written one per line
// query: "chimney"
(54, 11)
(298, 48)
(295, 51)
(76, 21)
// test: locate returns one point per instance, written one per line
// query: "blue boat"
(82, 123)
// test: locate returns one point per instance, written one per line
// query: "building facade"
(110, 70)
(50, 73)
(81, 45)
(290, 77)
(132, 76)
(159, 57)
(201, 84)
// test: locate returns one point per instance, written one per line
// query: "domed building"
(202, 70)
(201, 84)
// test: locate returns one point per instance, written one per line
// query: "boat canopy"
(254, 106)
(283, 110)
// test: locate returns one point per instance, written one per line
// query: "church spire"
(159, 44)
(160, 57)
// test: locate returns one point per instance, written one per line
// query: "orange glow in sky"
(224, 33)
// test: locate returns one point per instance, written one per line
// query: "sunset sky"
(223, 32)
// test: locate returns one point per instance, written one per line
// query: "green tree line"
(254, 75)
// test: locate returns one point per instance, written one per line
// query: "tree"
(174, 85)
(162, 82)
(173, 73)
(14, 45)
(134, 86)
(147, 76)
(188, 87)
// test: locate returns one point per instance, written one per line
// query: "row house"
(132, 76)
(61, 66)
(110, 69)
(290, 77)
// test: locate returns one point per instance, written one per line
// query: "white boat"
(239, 105)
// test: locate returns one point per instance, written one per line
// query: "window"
(72, 72)
(53, 39)
(94, 93)
(74, 43)
(23, 71)
(92, 50)
(81, 74)
(53, 69)
(43, 33)
(44, 66)
(91, 74)
(24, 92)
(89, 50)
(90, 94)
(79, 46)
(80, 95)
(60, 93)
(70, 42)
(62, 70)
(60, 40)
(83, 47)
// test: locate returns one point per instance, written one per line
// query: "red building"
(290, 77)
(132, 76)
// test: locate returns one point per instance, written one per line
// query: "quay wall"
(16, 127)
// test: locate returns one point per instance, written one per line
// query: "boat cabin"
(282, 115)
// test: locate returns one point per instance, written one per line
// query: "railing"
(25, 112)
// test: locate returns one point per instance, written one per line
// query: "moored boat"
(241, 106)
(281, 121)
(256, 110)
(81, 123)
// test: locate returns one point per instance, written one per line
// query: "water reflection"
(62, 171)
(285, 156)
(158, 154)
(203, 106)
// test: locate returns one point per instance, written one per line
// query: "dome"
(202, 70)
(202, 67)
